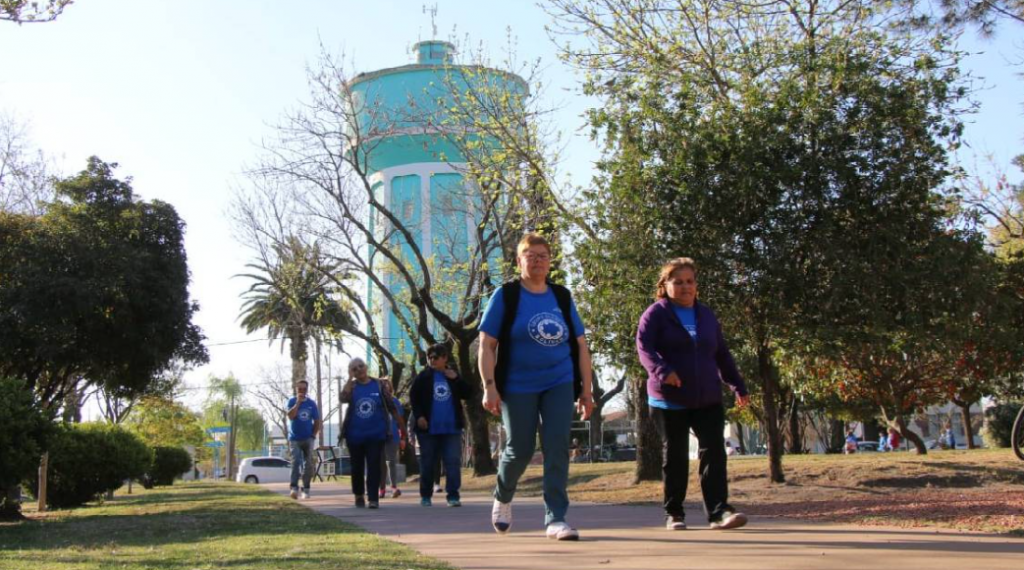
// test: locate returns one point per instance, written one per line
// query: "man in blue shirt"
(303, 426)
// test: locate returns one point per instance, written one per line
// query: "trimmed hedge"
(88, 460)
(169, 463)
(999, 423)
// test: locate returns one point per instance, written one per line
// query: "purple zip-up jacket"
(664, 347)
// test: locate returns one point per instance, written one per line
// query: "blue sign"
(219, 429)
(215, 444)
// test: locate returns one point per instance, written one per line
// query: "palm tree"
(295, 298)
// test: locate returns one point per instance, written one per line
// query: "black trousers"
(365, 459)
(708, 424)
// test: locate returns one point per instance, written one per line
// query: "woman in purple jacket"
(680, 344)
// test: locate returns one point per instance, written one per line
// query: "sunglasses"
(436, 356)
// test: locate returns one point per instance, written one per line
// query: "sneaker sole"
(674, 528)
(734, 522)
(506, 530)
(573, 536)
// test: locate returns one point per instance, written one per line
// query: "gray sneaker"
(729, 520)
(674, 522)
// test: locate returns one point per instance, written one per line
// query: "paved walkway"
(631, 537)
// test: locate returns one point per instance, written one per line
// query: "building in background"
(417, 172)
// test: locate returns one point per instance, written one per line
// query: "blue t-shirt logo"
(547, 329)
(365, 407)
(442, 393)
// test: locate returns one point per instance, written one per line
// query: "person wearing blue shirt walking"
(436, 397)
(534, 362)
(303, 426)
(365, 427)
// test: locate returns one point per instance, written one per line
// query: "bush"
(88, 460)
(999, 423)
(24, 433)
(169, 463)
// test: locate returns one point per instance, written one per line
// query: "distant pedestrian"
(535, 363)
(303, 426)
(365, 428)
(680, 343)
(952, 438)
(851, 443)
(393, 447)
(894, 439)
(436, 396)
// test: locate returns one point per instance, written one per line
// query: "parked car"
(867, 446)
(264, 470)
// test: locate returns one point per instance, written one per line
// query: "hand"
(450, 374)
(421, 423)
(492, 400)
(585, 406)
(742, 401)
(673, 380)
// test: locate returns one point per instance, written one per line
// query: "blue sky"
(181, 93)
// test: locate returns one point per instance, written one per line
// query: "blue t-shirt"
(442, 410)
(541, 358)
(688, 317)
(399, 413)
(301, 428)
(366, 415)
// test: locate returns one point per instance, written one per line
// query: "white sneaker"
(304, 495)
(438, 489)
(562, 531)
(294, 494)
(501, 517)
(729, 520)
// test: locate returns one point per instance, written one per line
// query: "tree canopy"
(95, 290)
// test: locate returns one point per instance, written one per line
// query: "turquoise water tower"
(416, 170)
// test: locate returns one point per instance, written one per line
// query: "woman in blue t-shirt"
(534, 362)
(436, 397)
(366, 426)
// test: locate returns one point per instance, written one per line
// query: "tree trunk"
(771, 414)
(965, 411)
(648, 442)
(911, 436)
(231, 442)
(837, 434)
(741, 438)
(796, 434)
(319, 389)
(298, 356)
(476, 415)
(44, 464)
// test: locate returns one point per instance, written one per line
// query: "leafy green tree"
(770, 142)
(94, 291)
(161, 422)
(24, 433)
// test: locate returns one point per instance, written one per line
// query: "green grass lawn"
(197, 526)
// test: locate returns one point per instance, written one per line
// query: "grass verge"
(198, 526)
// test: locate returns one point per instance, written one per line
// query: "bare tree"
(26, 177)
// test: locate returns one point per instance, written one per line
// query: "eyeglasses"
(433, 357)
(530, 256)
